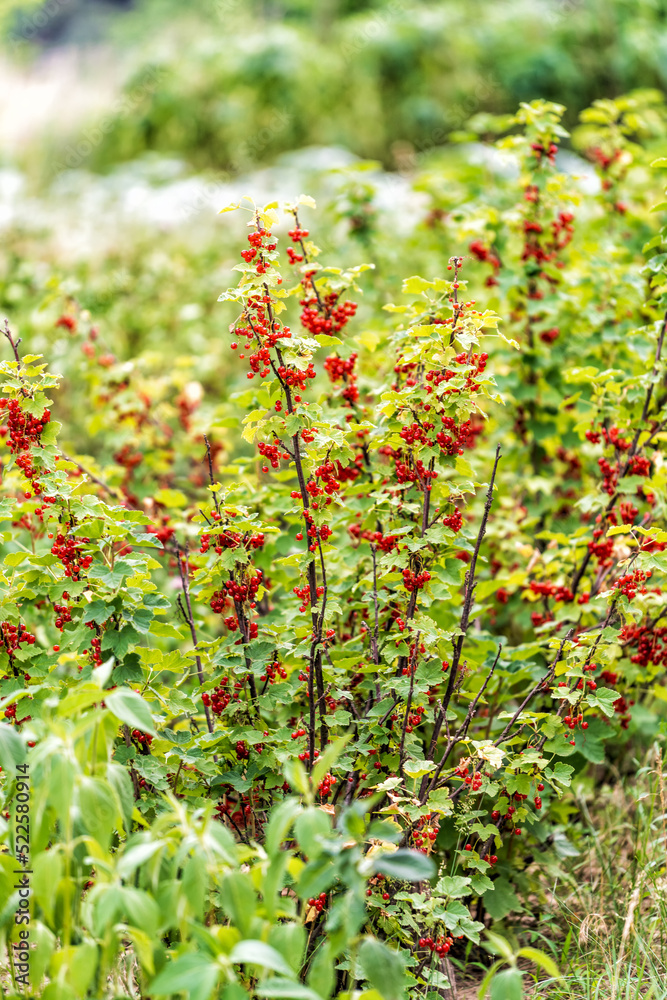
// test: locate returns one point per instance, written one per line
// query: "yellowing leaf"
(171, 498)
(416, 285)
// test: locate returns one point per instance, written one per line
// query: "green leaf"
(194, 974)
(502, 900)
(418, 768)
(311, 827)
(286, 988)
(454, 886)
(411, 866)
(541, 960)
(112, 577)
(280, 822)
(98, 611)
(238, 899)
(561, 773)
(603, 699)
(383, 968)
(251, 952)
(321, 973)
(507, 985)
(130, 707)
(98, 808)
(481, 884)
(12, 748)
(170, 498)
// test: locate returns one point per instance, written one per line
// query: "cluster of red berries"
(144, 739)
(540, 150)
(441, 945)
(219, 698)
(602, 548)
(463, 768)
(572, 721)
(454, 521)
(12, 636)
(318, 902)
(69, 552)
(426, 832)
(331, 317)
(257, 249)
(340, 370)
(487, 256)
(478, 364)
(415, 581)
(630, 583)
(415, 718)
(272, 453)
(411, 472)
(23, 428)
(417, 433)
(63, 613)
(548, 336)
(639, 466)
(259, 362)
(96, 647)
(458, 437)
(621, 707)
(273, 672)
(627, 511)
(24, 463)
(238, 811)
(561, 234)
(294, 257)
(649, 641)
(230, 540)
(386, 543)
(162, 532)
(548, 589)
(294, 377)
(326, 784)
(328, 473)
(238, 590)
(609, 475)
(303, 593)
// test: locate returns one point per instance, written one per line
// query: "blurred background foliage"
(241, 79)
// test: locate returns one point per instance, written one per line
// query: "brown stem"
(13, 343)
(467, 601)
(190, 619)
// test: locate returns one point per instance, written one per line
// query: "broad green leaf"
(251, 952)
(12, 748)
(383, 968)
(411, 866)
(130, 707)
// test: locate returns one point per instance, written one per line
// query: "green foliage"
(303, 674)
(228, 85)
